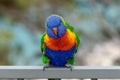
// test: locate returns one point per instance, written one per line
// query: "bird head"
(55, 26)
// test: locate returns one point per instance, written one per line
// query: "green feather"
(45, 59)
(71, 61)
(42, 46)
(78, 41)
(42, 42)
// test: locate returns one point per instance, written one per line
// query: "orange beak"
(55, 30)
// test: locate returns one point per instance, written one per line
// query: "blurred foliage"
(5, 34)
(20, 4)
(23, 21)
(5, 37)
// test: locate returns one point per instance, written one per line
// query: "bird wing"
(45, 59)
(78, 41)
(42, 46)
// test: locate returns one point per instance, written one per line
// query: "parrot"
(59, 43)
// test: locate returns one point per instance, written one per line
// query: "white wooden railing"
(84, 72)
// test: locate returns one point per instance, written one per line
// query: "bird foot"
(46, 66)
(69, 66)
(66, 66)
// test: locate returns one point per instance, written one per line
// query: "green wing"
(42, 45)
(78, 41)
(45, 59)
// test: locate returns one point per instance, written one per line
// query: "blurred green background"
(23, 21)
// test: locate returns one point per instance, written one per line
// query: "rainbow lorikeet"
(59, 43)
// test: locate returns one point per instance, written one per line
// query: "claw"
(69, 66)
(45, 66)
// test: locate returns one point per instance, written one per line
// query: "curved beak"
(55, 30)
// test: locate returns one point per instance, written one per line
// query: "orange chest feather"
(64, 43)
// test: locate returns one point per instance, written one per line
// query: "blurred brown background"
(23, 21)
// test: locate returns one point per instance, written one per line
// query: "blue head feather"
(55, 21)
